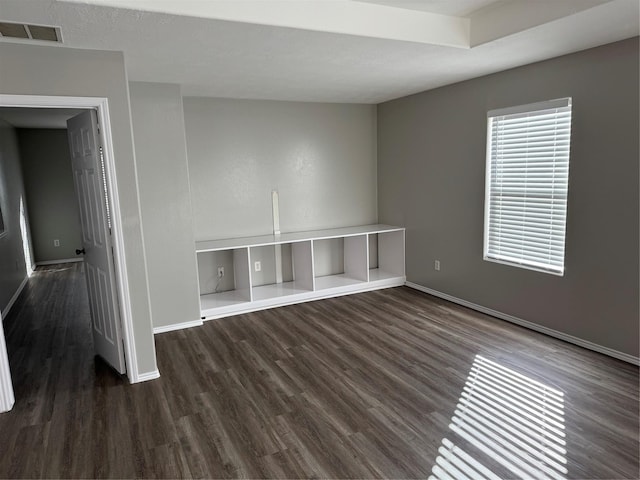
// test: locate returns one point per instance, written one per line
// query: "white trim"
(117, 241)
(177, 326)
(145, 377)
(62, 260)
(517, 264)
(6, 310)
(531, 107)
(7, 397)
(134, 377)
(48, 101)
(530, 325)
(102, 106)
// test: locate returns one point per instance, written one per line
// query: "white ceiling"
(327, 50)
(38, 117)
(457, 8)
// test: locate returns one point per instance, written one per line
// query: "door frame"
(101, 104)
(7, 398)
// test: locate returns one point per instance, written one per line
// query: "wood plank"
(358, 386)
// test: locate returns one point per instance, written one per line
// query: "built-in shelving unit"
(297, 267)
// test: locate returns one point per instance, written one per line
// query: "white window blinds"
(526, 185)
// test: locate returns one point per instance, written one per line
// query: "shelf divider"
(356, 257)
(391, 252)
(242, 272)
(303, 265)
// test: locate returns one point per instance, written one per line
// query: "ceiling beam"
(513, 16)
(334, 16)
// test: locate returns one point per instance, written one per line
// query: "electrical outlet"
(258, 266)
(56, 243)
(220, 272)
(436, 265)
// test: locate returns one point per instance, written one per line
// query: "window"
(526, 185)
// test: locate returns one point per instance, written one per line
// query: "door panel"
(90, 272)
(107, 309)
(81, 191)
(90, 187)
(96, 197)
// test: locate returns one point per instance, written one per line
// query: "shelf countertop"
(229, 243)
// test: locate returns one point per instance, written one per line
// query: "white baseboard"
(145, 377)
(6, 310)
(530, 325)
(177, 326)
(62, 260)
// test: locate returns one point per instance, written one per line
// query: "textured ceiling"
(221, 58)
(38, 117)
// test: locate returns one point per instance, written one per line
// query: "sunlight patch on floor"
(510, 418)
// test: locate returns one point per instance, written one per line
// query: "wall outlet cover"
(258, 266)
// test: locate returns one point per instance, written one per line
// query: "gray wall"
(320, 157)
(12, 265)
(53, 206)
(43, 70)
(431, 166)
(165, 201)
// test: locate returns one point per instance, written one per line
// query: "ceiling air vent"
(30, 32)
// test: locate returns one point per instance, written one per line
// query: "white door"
(91, 190)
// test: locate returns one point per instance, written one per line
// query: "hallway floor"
(386, 384)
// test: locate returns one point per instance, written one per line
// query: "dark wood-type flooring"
(362, 386)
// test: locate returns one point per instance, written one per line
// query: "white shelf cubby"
(297, 267)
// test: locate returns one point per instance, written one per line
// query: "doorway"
(100, 106)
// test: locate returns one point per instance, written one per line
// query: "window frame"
(520, 110)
